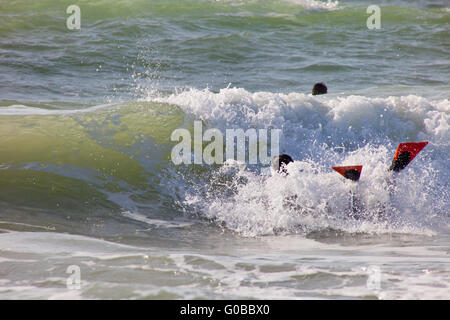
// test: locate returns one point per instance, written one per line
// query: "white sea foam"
(320, 132)
(315, 4)
(306, 4)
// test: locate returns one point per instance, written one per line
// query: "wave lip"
(23, 110)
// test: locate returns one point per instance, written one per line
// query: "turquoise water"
(86, 177)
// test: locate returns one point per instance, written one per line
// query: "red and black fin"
(350, 172)
(405, 153)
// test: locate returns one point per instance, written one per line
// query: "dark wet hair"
(280, 162)
(319, 88)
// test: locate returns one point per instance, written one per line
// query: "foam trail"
(316, 5)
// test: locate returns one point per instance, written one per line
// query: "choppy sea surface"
(88, 190)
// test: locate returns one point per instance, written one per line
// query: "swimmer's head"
(319, 88)
(280, 162)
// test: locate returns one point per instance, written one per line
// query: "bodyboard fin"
(405, 153)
